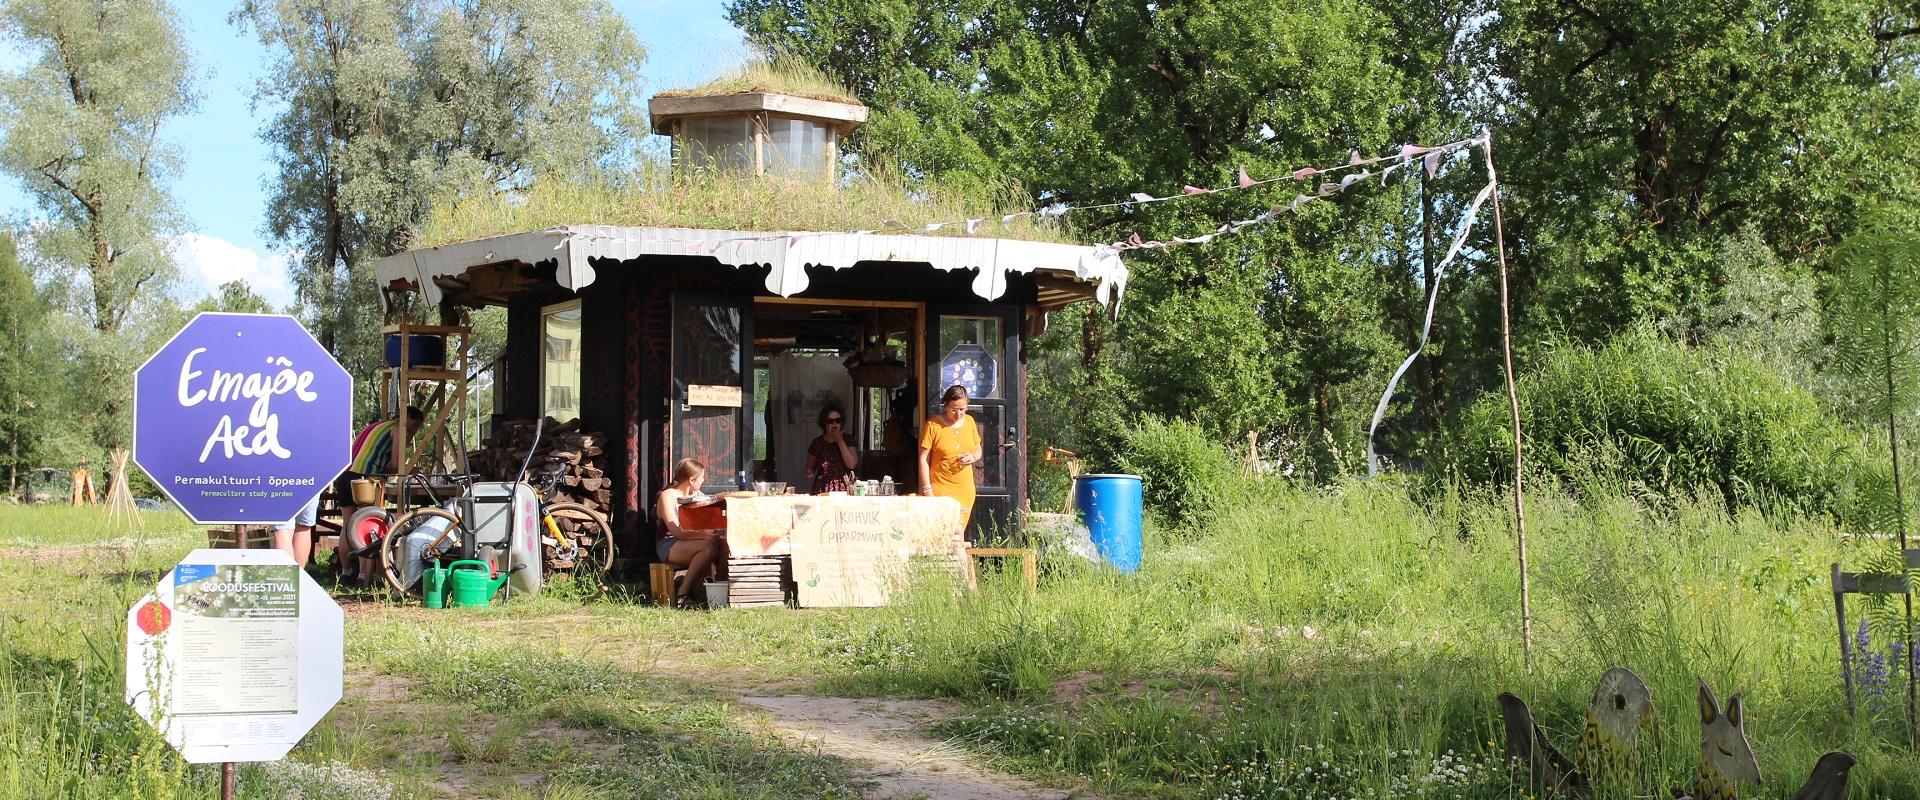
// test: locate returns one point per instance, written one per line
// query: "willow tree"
(380, 108)
(1875, 316)
(79, 128)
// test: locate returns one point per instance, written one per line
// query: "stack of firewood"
(564, 446)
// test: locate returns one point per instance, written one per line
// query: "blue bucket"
(1110, 507)
(424, 350)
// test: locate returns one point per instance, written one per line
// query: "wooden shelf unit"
(446, 401)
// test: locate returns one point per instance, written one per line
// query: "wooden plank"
(414, 329)
(1869, 583)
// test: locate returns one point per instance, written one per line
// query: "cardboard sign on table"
(847, 550)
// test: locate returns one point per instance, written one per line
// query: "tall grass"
(653, 197)
(64, 730)
(772, 71)
(1339, 642)
(1350, 642)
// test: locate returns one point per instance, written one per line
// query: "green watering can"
(470, 584)
(433, 585)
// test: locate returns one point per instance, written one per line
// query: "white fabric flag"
(1433, 296)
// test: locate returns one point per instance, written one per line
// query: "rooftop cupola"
(755, 132)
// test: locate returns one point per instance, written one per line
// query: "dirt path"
(884, 737)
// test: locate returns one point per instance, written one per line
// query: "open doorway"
(862, 357)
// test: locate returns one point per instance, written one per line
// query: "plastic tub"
(423, 351)
(717, 594)
(1110, 507)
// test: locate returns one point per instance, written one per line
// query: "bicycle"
(535, 535)
(583, 544)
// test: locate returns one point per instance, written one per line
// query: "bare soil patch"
(885, 738)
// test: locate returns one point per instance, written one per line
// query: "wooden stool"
(660, 580)
(1029, 564)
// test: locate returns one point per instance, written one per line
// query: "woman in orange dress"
(949, 447)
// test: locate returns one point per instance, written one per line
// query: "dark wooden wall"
(626, 320)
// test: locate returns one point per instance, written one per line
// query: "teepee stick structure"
(120, 498)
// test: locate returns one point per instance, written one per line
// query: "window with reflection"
(560, 361)
(707, 341)
(970, 356)
(797, 148)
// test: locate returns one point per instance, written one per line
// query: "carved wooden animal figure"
(1725, 757)
(1829, 778)
(1532, 757)
(1609, 742)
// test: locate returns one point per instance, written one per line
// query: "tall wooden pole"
(1900, 519)
(1513, 406)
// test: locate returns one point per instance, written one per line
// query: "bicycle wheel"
(393, 562)
(592, 535)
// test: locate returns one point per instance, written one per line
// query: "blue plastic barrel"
(425, 350)
(1110, 507)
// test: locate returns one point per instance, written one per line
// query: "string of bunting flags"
(1433, 297)
(1355, 170)
(1430, 158)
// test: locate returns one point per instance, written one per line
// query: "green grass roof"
(727, 202)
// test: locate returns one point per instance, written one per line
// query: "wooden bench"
(1029, 563)
(1866, 583)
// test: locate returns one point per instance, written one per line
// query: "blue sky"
(221, 185)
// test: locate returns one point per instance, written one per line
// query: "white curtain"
(798, 387)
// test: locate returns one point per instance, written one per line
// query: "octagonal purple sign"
(242, 418)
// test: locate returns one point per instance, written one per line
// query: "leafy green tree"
(23, 364)
(1091, 103)
(1637, 135)
(79, 127)
(385, 107)
(338, 73)
(235, 297)
(1875, 318)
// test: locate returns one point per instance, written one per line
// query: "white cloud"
(206, 262)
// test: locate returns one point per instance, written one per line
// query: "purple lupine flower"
(1874, 669)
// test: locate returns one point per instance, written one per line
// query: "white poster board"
(234, 656)
(847, 550)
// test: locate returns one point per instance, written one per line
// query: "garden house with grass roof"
(723, 344)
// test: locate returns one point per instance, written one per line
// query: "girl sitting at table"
(699, 552)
